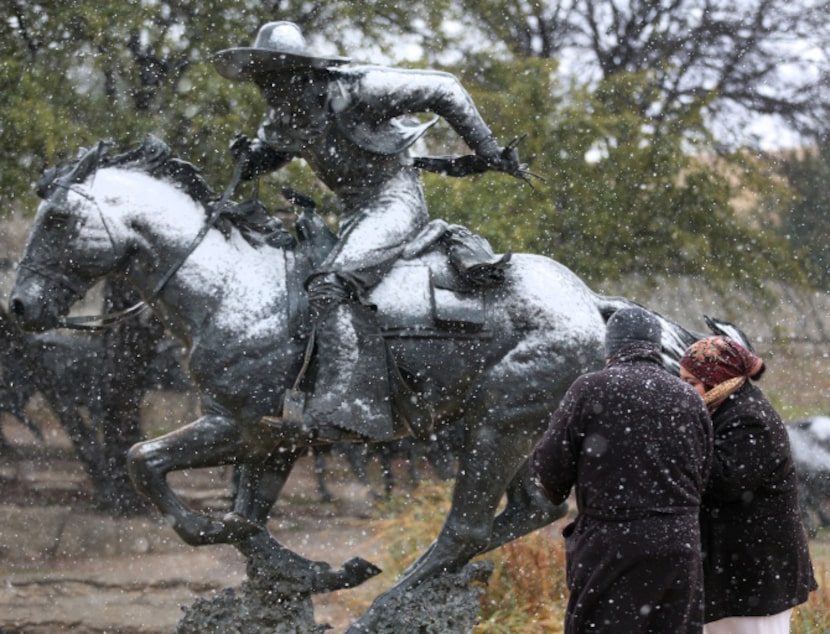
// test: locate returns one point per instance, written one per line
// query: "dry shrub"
(527, 592)
(409, 522)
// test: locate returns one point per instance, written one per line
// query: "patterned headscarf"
(714, 360)
(722, 365)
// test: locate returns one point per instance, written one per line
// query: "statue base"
(265, 604)
(448, 604)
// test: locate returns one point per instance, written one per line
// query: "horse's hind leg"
(485, 471)
(210, 441)
(503, 424)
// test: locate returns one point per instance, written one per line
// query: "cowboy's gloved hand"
(500, 159)
(254, 157)
(506, 159)
(240, 145)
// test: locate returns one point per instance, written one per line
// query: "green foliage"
(621, 196)
(72, 73)
(511, 98)
(623, 193)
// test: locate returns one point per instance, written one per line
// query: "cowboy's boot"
(351, 389)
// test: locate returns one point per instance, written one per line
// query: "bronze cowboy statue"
(348, 122)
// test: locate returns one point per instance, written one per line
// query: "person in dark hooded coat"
(636, 444)
(756, 561)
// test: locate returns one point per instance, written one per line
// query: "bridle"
(83, 322)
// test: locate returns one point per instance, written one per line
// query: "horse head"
(144, 213)
(57, 267)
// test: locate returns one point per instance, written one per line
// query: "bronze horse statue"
(500, 357)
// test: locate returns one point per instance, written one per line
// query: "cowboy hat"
(279, 47)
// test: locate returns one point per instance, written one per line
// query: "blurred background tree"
(806, 221)
(637, 113)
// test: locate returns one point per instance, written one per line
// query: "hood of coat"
(637, 351)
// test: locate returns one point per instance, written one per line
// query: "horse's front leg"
(259, 485)
(260, 482)
(212, 440)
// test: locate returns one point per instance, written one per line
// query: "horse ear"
(46, 183)
(54, 182)
(154, 151)
(87, 163)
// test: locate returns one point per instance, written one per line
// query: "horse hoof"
(359, 570)
(298, 574)
(354, 572)
(204, 532)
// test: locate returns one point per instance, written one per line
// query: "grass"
(527, 592)
(813, 617)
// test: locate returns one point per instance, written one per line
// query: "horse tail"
(675, 338)
(730, 330)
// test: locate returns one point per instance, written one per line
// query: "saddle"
(445, 268)
(436, 288)
(445, 272)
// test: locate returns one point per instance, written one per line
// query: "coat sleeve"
(554, 459)
(743, 457)
(393, 92)
(704, 424)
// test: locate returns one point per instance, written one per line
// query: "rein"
(79, 322)
(217, 210)
(111, 320)
(107, 320)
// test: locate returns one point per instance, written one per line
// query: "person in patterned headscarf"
(756, 562)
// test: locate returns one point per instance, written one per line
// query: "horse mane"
(153, 157)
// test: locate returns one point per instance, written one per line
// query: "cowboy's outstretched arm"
(391, 92)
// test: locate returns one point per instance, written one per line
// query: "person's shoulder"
(749, 402)
(589, 380)
(673, 384)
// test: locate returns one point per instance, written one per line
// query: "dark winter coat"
(636, 443)
(756, 559)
